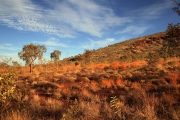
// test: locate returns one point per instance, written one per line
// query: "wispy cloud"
(24, 15)
(135, 30)
(66, 18)
(141, 18)
(155, 10)
(152, 11)
(14, 56)
(62, 18)
(8, 47)
(96, 44)
(52, 42)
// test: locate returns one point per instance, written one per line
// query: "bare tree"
(55, 55)
(30, 53)
(5, 62)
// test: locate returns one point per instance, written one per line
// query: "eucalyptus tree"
(55, 55)
(30, 53)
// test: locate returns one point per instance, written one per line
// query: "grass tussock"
(117, 91)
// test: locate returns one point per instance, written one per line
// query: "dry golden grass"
(14, 115)
(124, 65)
(119, 83)
(136, 85)
(94, 86)
(86, 94)
(97, 66)
(107, 83)
(61, 92)
(174, 77)
(65, 91)
(91, 110)
(138, 63)
(115, 65)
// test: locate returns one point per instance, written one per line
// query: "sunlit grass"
(58, 92)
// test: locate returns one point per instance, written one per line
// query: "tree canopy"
(55, 55)
(31, 52)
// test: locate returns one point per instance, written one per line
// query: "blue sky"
(72, 26)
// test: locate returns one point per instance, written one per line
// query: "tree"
(172, 39)
(30, 53)
(88, 54)
(15, 64)
(5, 61)
(55, 55)
(177, 7)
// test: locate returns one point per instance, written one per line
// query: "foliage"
(55, 55)
(5, 61)
(176, 8)
(88, 54)
(171, 43)
(15, 64)
(73, 112)
(173, 32)
(113, 102)
(117, 105)
(11, 96)
(31, 52)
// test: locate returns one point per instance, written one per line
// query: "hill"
(129, 50)
(142, 48)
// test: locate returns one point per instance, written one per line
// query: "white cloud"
(14, 56)
(66, 18)
(87, 16)
(96, 44)
(24, 15)
(135, 30)
(8, 47)
(63, 18)
(8, 44)
(52, 42)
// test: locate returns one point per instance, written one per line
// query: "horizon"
(72, 27)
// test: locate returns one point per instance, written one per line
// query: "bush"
(11, 96)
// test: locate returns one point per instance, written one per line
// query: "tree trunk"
(30, 65)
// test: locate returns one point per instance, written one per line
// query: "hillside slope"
(129, 50)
